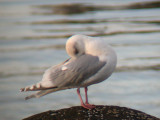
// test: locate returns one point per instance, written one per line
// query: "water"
(32, 38)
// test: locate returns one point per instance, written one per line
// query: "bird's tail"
(35, 87)
(42, 93)
(41, 90)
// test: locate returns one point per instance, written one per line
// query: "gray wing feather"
(78, 70)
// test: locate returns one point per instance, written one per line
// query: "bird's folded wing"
(76, 71)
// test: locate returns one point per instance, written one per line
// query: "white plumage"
(91, 61)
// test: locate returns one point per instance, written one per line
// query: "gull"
(91, 61)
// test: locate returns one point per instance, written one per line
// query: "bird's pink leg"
(86, 96)
(82, 103)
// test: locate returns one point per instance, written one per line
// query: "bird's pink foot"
(88, 106)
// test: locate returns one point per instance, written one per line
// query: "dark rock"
(98, 113)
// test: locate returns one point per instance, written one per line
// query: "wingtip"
(22, 90)
(31, 96)
(26, 98)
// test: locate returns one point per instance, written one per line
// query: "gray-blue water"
(31, 40)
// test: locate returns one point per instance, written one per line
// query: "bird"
(91, 61)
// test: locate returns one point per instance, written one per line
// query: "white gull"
(91, 61)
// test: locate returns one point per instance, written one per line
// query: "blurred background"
(33, 35)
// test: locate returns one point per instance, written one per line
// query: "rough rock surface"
(98, 113)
